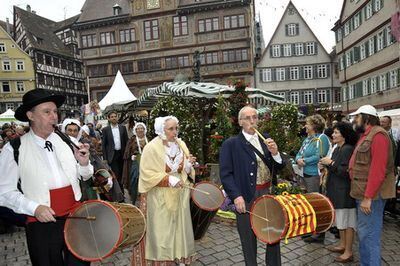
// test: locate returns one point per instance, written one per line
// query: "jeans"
(369, 233)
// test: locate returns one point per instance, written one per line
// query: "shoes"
(340, 260)
(336, 249)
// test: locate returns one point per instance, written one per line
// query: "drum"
(204, 207)
(115, 226)
(290, 216)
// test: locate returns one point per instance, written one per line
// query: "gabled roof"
(3, 24)
(41, 32)
(280, 21)
(99, 9)
(66, 23)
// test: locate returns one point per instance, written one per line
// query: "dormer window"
(117, 10)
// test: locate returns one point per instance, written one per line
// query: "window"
(294, 97)
(378, 5)
(363, 52)
(89, 40)
(348, 59)
(5, 86)
(308, 97)
(382, 82)
(127, 67)
(127, 35)
(236, 21)
(308, 72)
(151, 30)
(346, 28)
(180, 26)
(10, 106)
(299, 49)
(48, 60)
(371, 44)
(351, 92)
(339, 35)
(276, 50)
(389, 37)
(322, 71)
(292, 29)
(266, 75)
(282, 94)
(2, 47)
(379, 41)
(19, 65)
(95, 71)
(373, 85)
(310, 48)
(344, 93)
(322, 96)
(235, 55)
(280, 74)
(365, 87)
(356, 20)
(209, 58)
(341, 63)
(107, 38)
(368, 10)
(209, 24)
(287, 49)
(176, 62)
(149, 64)
(6, 66)
(294, 73)
(393, 78)
(20, 86)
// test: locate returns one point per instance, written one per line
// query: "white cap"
(365, 109)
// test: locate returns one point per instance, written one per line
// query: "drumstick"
(196, 189)
(90, 218)
(259, 134)
(258, 216)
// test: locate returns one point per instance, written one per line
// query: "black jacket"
(107, 143)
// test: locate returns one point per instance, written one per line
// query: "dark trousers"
(47, 247)
(116, 165)
(249, 241)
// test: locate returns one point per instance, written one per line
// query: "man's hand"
(272, 147)
(365, 206)
(82, 155)
(240, 205)
(45, 214)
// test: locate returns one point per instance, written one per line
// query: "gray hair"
(244, 109)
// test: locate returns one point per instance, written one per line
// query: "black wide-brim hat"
(36, 97)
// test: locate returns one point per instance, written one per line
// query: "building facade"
(152, 41)
(368, 54)
(16, 72)
(53, 49)
(296, 66)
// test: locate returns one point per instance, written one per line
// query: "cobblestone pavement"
(221, 246)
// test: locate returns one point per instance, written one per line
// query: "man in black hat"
(48, 173)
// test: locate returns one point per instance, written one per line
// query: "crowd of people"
(50, 168)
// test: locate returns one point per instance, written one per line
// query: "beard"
(359, 129)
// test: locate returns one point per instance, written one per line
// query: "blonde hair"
(317, 122)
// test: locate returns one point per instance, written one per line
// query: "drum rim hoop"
(284, 214)
(197, 204)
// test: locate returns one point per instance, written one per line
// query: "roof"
(67, 23)
(100, 9)
(3, 24)
(41, 32)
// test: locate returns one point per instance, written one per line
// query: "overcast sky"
(320, 15)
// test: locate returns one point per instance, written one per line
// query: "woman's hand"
(326, 161)
(300, 162)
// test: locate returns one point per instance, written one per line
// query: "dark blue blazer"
(238, 167)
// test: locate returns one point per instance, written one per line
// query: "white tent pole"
(88, 89)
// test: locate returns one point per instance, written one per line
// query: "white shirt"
(11, 197)
(254, 137)
(117, 137)
(395, 132)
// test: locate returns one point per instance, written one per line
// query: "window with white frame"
(379, 41)
(322, 96)
(373, 85)
(351, 92)
(310, 48)
(348, 59)
(20, 86)
(5, 87)
(276, 50)
(294, 97)
(287, 49)
(266, 75)
(389, 36)
(10, 106)
(6, 65)
(377, 5)
(308, 72)
(234, 21)
(341, 63)
(363, 52)
(209, 58)
(339, 35)
(322, 71)
(292, 29)
(382, 82)
(180, 25)
(308, 97)
(299, 49)
(365, 87)
(346, 28)
(356, 20)
(280, 74)
(371, 46)
(2, 47)
(393, 78)
(19, 65)
(368, 10)
(282, 94)
(344, 94)
(294, 73)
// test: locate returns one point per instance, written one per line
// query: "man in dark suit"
(113, 144)
(248, 168)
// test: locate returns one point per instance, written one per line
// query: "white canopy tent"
(8, 117)
(119, 93)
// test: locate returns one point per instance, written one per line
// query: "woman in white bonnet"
(165, 169)
(133, 151)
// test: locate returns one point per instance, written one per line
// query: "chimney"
(8, 28)
(28, 8)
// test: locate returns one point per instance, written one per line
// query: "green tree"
(237, 100)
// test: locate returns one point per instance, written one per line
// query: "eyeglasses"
(249, 118)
